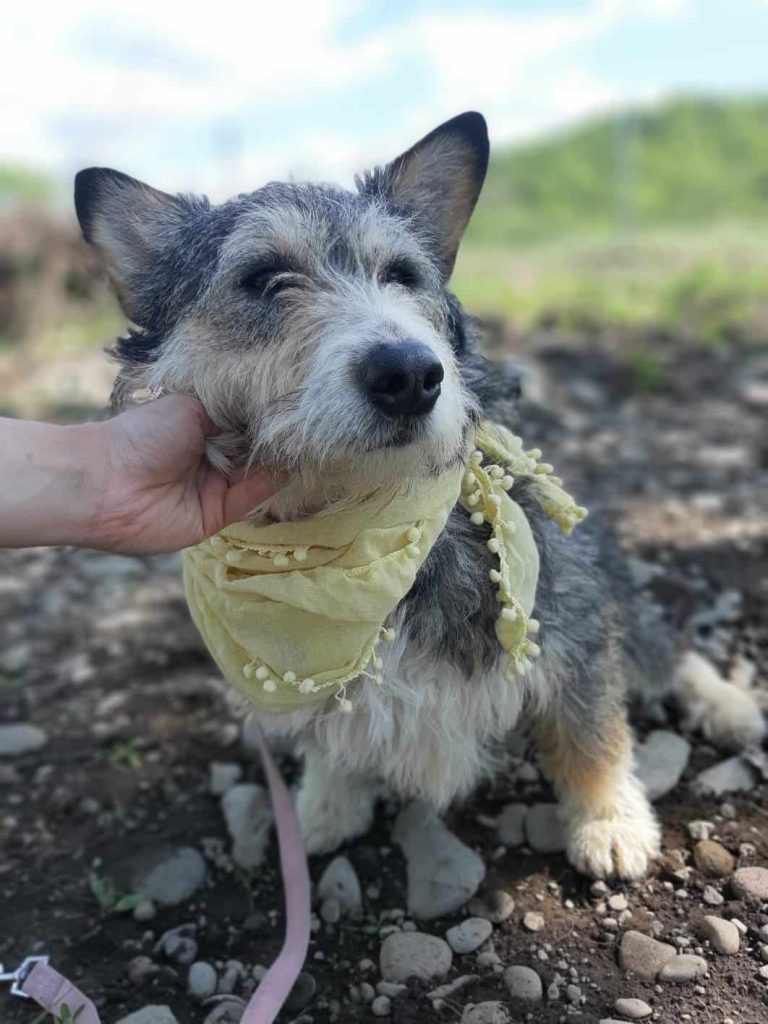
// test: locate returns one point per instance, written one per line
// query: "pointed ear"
(439, 181)
(125, 221)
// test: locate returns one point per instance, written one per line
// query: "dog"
(317, 327)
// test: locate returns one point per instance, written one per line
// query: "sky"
(221, 97)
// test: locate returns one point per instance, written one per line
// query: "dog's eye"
(265, 280)
(401, 272)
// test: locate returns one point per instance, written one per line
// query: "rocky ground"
(136, 847)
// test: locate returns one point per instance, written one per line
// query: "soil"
(99, 652)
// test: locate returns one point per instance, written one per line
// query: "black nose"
(402, 379)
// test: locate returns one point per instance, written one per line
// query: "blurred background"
(627, 199)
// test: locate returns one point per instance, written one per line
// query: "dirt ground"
(99, 653)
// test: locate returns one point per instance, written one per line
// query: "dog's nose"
(402, 379)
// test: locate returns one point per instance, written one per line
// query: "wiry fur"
(277, 368)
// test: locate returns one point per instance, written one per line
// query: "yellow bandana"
(292, 612)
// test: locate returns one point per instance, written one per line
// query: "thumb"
(242, 497)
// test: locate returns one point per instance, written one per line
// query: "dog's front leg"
(333, 804)
(610, 826)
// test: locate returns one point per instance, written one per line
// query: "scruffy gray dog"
(317, 327)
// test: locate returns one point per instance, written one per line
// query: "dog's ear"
(127, 222)
(439, 180)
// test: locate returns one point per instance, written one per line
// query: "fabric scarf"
(293, 612)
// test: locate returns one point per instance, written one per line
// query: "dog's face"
(314, 323)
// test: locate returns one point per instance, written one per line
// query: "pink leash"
(35, 979)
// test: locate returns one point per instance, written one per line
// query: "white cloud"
(140, 87)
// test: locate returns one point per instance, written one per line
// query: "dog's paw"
(728, 714)
(330, 818)
(620, 845)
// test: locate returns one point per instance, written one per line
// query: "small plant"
(107, 896)
(65, 1016)
(128, 753)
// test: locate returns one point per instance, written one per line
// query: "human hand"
(158, 492)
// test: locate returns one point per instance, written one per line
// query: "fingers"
(243, 496)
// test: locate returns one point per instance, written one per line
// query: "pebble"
(495, 906)
(223, 775)
(339, 882)
(491, 1012)
(544, 830)
(763, 973)
(713, 859)
(226, 1011)
(618, 902)
(140, 970)
(201, 980)
(700, 829)
(712, 897)
(443, 873)
(144, 910)
(635, 1009)
(643, 955)
(169, 876)
(381, 1006)
(730, 776)
(330, 910)
(150, 1015)
(685, 967)
(178, 944)
(390, 988)
(230, 979)
(303, 989)
(523, 983)
(469, 935)
(248, 815)
(723, 935)
(660, 762)
(533, 922)
(510, 826)
(751, 883)
(20, 738)
(414, 955)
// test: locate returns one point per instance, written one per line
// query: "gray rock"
(141, 970)
(330, 910)
(231, 978)
(248, 814)
(443, 873)
(491, 1012)
(685, 967)
(407, 955)
(339, 881)
(303, 989)
(222, 776)
(643, 955)
(150, 1015)
(178, 944)
(390, 988)
(544, 829)
(510, 826)
(201, 980)
(495, 906)
(635, 1009)
(144, 910)
(660, 761)
(533, 921)
(723, 935)
(524, 983)
(229, 1010)
(751, 883)
(469, 935)
(381, 1006)
(712, 897)
(20, 738)
(169, 876)
(730, 776)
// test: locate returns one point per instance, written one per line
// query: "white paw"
(620, 845)
(332, 818)
(726, 713)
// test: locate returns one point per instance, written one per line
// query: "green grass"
(709, 284)
(682, 164)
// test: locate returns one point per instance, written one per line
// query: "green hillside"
(688, 162)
